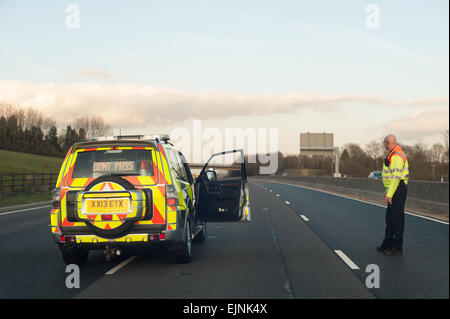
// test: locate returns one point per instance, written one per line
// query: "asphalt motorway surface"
(301, 243)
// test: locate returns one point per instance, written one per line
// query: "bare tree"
(93, 125)
(375, 149)
(33, 118)
(98, 127)
(82, 122)
(6, 109)
(437, 153)
(445, 136)
(48, 123)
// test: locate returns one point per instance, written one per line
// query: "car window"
(186, 167)
(175, 164)
(183, 173)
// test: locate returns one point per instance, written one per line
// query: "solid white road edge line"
(121, 265)
(347, 260)
(24, 210)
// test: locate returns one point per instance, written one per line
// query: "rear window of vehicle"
(120, 162)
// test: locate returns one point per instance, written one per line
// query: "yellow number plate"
(107, 206)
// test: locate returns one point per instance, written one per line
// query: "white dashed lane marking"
(121, 265)
(347, 260)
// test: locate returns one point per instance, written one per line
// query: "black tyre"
(184, 254)
(201, 236)
(124, 228)
(75, 256)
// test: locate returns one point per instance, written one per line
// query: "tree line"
(30, 131)
(425, 162)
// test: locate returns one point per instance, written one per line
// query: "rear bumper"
(144, 239)
(170, 235)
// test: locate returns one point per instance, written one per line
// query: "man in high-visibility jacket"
(395, 179)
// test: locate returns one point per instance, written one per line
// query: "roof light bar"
(161, 137)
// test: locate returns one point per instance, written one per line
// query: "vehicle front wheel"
(201, 236)
(184, 254)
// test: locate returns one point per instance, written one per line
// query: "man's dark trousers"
(395, 219)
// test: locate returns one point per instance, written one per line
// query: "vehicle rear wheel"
(75, 256)
(184, 254)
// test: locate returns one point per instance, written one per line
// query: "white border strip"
(24, 210)
(304, 218)
(347, 260)
(360, 200)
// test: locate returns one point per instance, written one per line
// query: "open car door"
(222, 190)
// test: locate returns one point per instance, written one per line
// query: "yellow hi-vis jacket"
(396, 171)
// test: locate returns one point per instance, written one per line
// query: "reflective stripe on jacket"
(396, 171)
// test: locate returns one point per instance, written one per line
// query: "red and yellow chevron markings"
(156, 183)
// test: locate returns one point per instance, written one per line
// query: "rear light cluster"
(56, 198)
(157, 237)
(67, 239)
(171, 195)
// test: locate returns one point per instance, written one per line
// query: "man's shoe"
(393, 252)
(381, 249)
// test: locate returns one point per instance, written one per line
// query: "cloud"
(33, 64)
(422, 123)
(131, 105)
(92, 73)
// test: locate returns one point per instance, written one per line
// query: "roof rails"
(160, 137)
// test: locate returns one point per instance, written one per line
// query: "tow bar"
(111, 252)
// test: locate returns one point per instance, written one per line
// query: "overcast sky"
(299, 66)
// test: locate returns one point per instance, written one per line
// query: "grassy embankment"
(23, 163)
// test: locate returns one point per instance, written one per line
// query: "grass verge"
(24, 163)
(23, 198)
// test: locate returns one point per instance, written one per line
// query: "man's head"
(390, 142)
